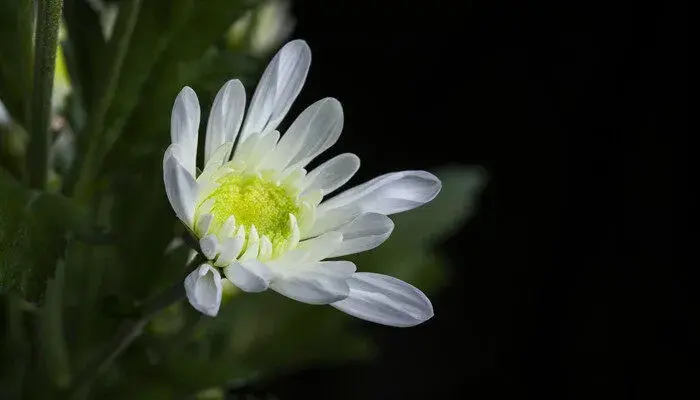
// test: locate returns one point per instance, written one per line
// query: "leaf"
(254, 335)
(16, 49)
(56, 354)
(165, 56)
(33, 226)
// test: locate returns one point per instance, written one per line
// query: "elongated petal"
(184, 127)
(278, 88)
(316, 129)
(203, 289)
(363, 233)
(249, 275)
(332, 174)
(225, 117)
(387, 194)
(215, 161)
(263, 148)
(385, 300)
(321, 247)
(314, 283)
(181, 189)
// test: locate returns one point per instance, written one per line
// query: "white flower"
(260, 217)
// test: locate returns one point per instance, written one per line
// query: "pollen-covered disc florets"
(254, 206)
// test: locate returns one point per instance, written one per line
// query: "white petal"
(225, 117)
(332, 174)
(329, 220)
(322, 246)
(250, 275)
(386, 194)
(215, 161)
(307, 217)
(231, 248)
(203, 289)
(317, 283)
(246, 147)
(228, 228)
(265, 248)
(279, 86)
(385, 300)
(363, 233)
(316, 129)
(184, 127)
(203, 224)
(312, 197)
(263, 148)
(253, 245)
(296, 234)
(209, 246)
(174, 150)
(181, 189)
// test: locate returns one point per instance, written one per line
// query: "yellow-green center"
(252, 200)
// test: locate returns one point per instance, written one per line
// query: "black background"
(566, 284)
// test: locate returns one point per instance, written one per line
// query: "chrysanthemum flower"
(263, 221)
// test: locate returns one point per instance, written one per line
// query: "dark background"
(566, 283)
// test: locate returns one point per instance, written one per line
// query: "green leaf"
(169, 42)
(53, 334)
(254, 335)
(16, 37)
(46, 43)
(33, 226)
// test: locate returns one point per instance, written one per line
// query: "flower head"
(263, 221)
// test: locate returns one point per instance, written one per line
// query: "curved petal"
(387, 194)
(203, 289)
(332, 174)
(315, 130)
(225, 118)
(385, 300)
(180, 187)
(209, 246)
(279, 86)
(249, 275)
(231, 248)
(313, 283)
(184, 127)
(363, 233)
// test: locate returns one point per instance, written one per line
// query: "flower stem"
(86, 167)
(46, 36)
(127, 333)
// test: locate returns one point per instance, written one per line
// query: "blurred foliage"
(71, 273)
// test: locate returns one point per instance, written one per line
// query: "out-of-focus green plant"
(84, 250)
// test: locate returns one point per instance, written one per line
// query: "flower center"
(253, 200)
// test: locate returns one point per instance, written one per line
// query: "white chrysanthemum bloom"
(260, 217)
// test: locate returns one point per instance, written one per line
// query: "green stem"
(86, 168)
(47, 23)
(128, 332)
(53, 334)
